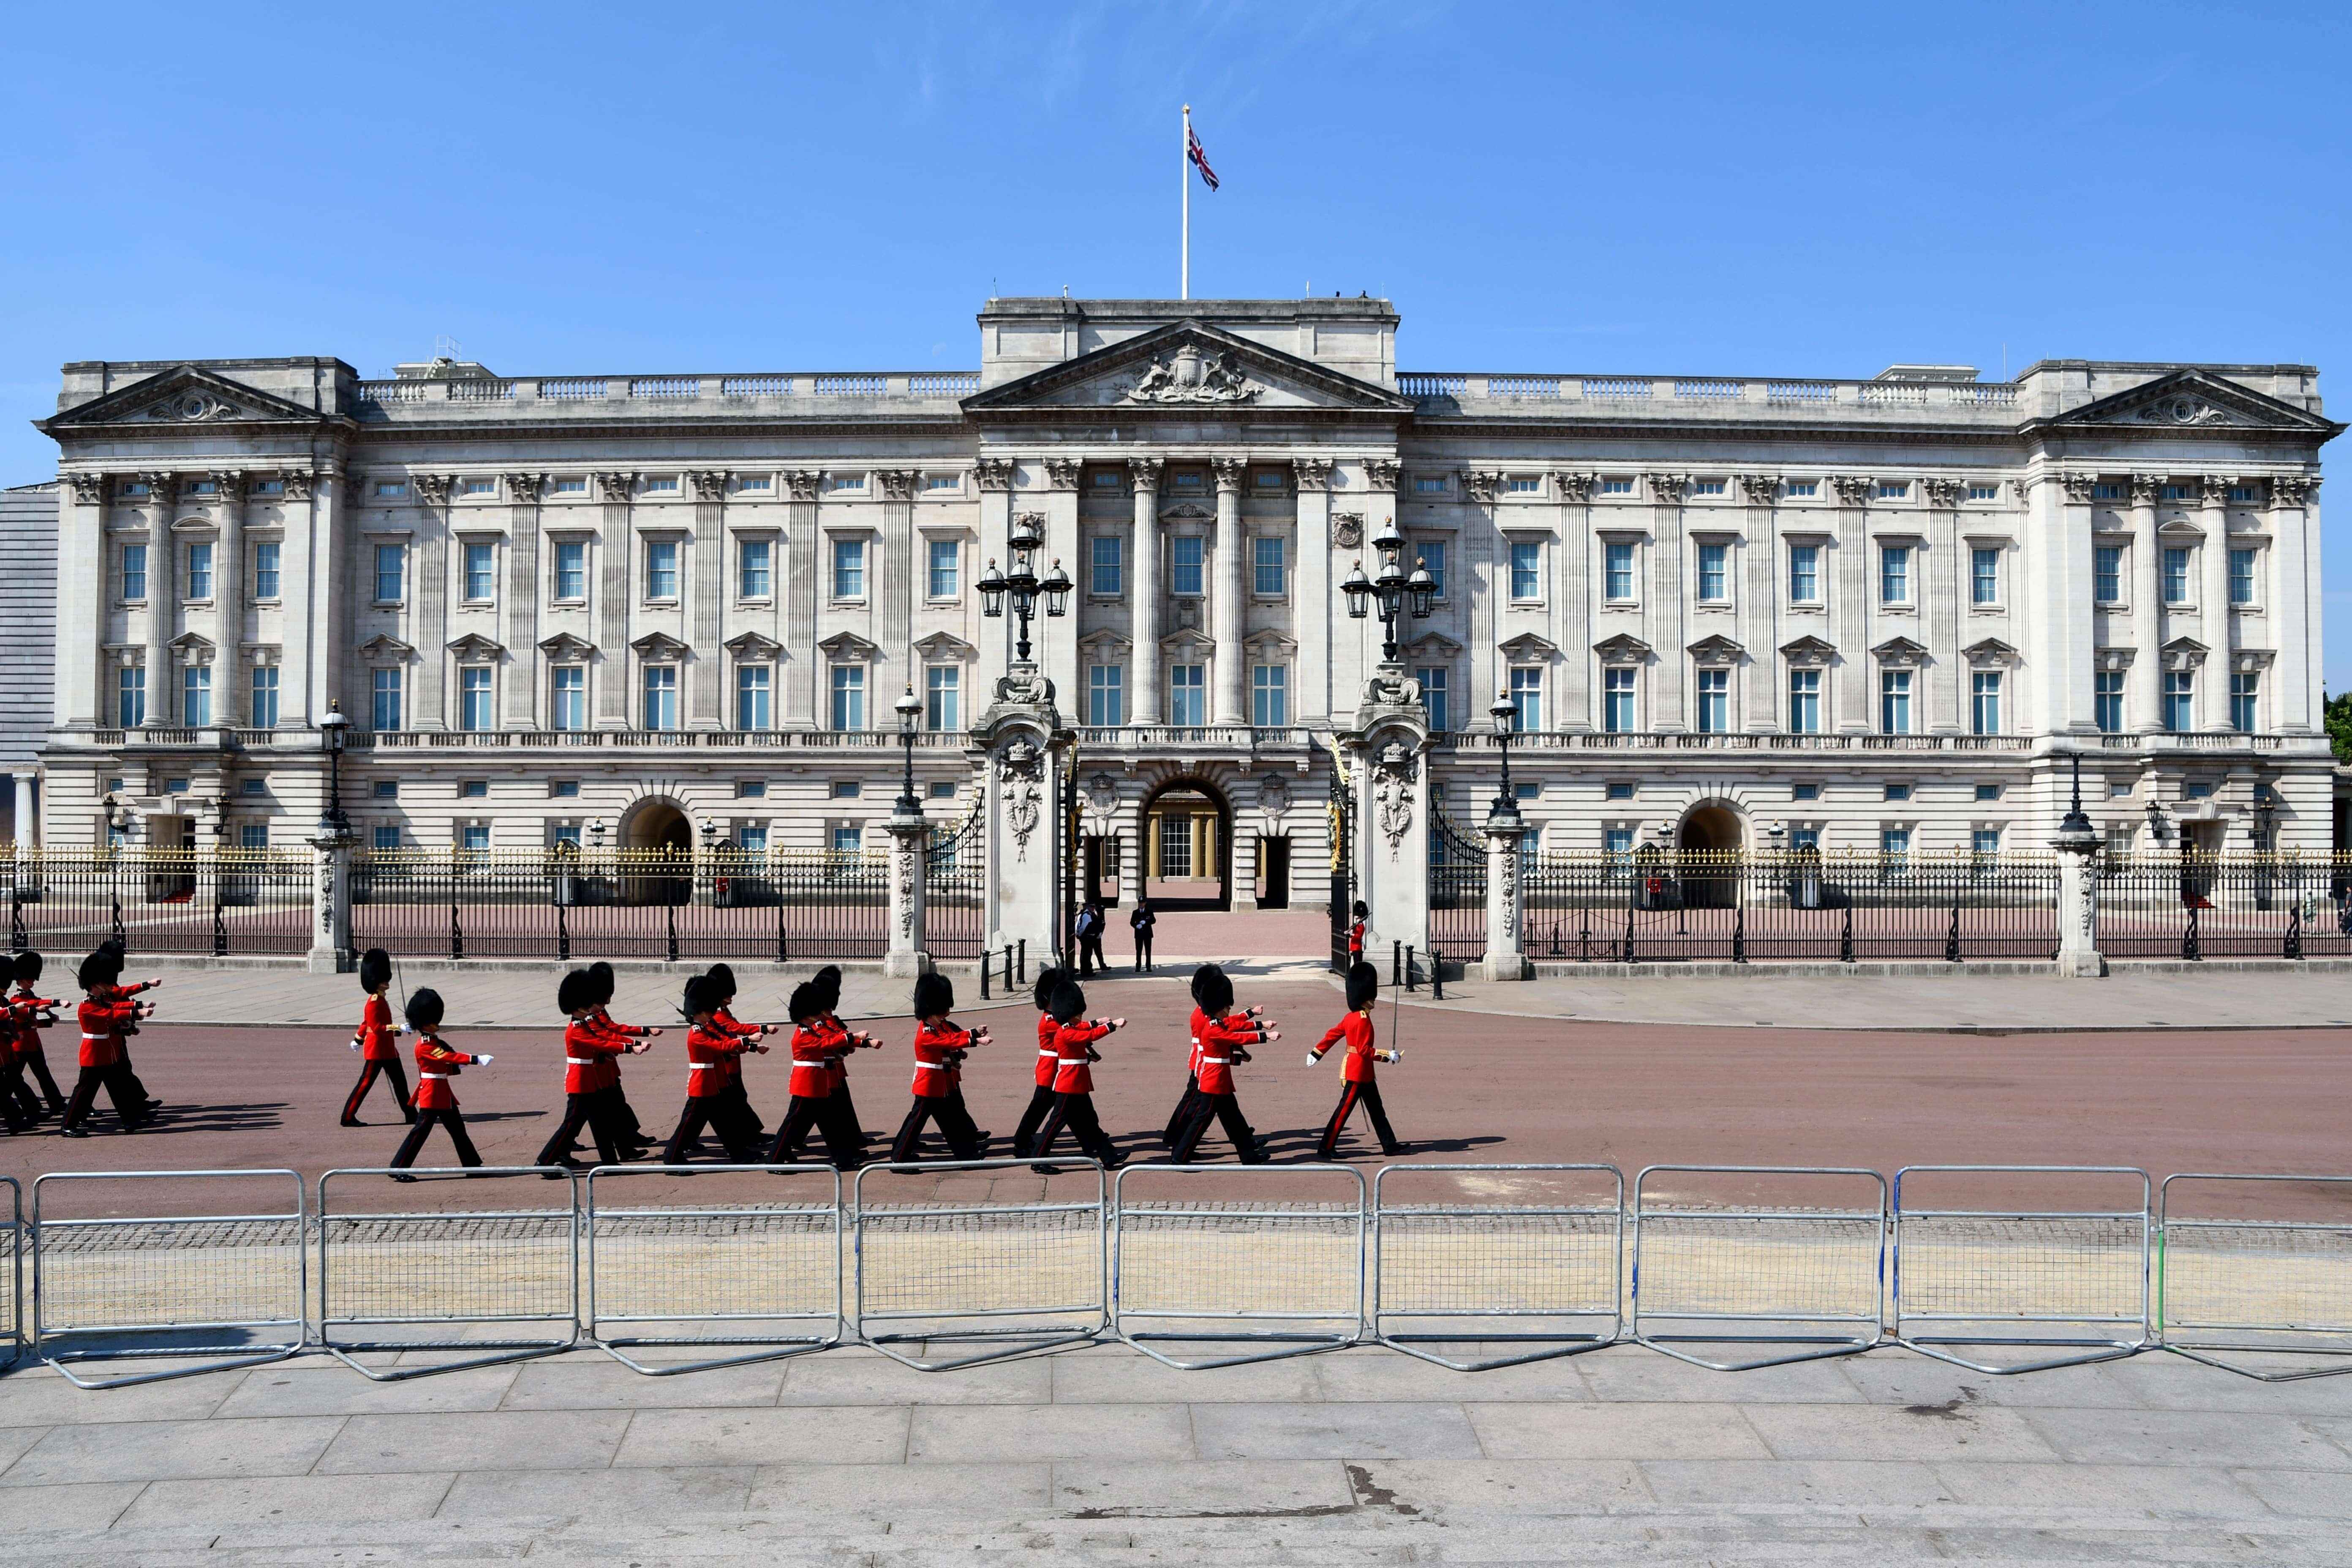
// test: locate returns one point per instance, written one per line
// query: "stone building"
(28, 603)
(1724, 611)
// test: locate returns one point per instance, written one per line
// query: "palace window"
(1714, 573)
(1804, 702)
(2107, 700)
(1617, 571)
(2175, 575)
(1526, 700)
(2242, 576)
(1896, 792)
(945, 565)
(2107, 492)
(1188, 694)
(477, 578)
(570, 486)
(844, 789)
(2244, 691)
(661, 697)
(263, 694)
(751, 696)
(1429, 484)
(391, 490)
(1895, 702)
(942, 483)
(196, 695)
(1893, 490)
(385, 838)
(568, 697)
(2245, 494)
(1430, 556)
(391, 563)
(751, 839)
(1526, 569)
(849, 696)
(1617, 702)
(661, 569)
(1984, 702)
(943, 696)
(384, 789)
(1714, 701)
(754, 569)
(1523, 484)
(2172, 492)
(661, 484)
(751, 789)
(848, 838)
(200, 572)
(1988, 791)
(1106, 563)
(1266, 565)
(1184, 551)
(384, 700)
(1895, 574)
(474, 698)
(1801, 488)
(264, 570)
(130, 697)
(1619, 789)
(1984, 577)
(1616, 487)
(849, 568)
(1804, 574)
(760, 482)
(1106, 695)
(1433, 693)
(1707, 486)
(1269, 696)
(1805, 791)
(2180, 699)
(134, 572)
(1984, 492)
(571, 570)
(2107, 574)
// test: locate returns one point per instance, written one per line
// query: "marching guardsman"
(1225, 1038)
(1073, 1080)
(43, 1010)
(814, 1045)
(1041, 1099)
(377, 1039)
(1358, 1087)
(714, 1055)
(722, 1018)
(590, 1074)
(628, 1132)
(827, 982)
(130, 1073)
(1185, 1101)
(437, 1065)
(107, 1013)
(939, 1045)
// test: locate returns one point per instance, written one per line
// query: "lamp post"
(1505, 714)
(332, 730)
(909, 709)
(1392, 591)
(1023, 585)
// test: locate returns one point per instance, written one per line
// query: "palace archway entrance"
(1709, 837)
(1186, 844)
(658, 855)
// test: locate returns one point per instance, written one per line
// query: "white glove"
(483, 1058)
(356, 1042)
(1314, 1060)
(1393, 1056)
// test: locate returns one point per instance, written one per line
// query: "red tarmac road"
(1472, 1088)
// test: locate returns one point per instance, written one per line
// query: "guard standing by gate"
(1356, 1072)
(377, 1040)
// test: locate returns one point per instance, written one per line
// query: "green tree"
(2338, 711)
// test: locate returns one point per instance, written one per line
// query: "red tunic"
(1073, 1073)
(1048, 1058)
(935, 1068)
(840, 1037)
(717, 1056)
(1219, 1039)
(379, 1041)
(1356, 940)
(591, 1057)
(812, 1061)
(1200, 1025)
(437, 1066)
(725, 1023)
(104, 1021)
(1356, 1031)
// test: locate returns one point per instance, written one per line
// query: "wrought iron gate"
(1457, 891)
(1342, 810)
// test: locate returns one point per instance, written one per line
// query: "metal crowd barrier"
(734, 1268)
(1491, 1269)
(150, 1283)
(9, 1310)
(2082, 1290)
(1315, 1273)
(479, 1267)
(2233, 1287)
(1799, 1283)
(1011, 1277)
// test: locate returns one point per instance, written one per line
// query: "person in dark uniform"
(815, 1044)
(437, 1065)
(1073, 1080)
(1140, 919)
(1041, 1099)
(1356, 1085)
(939, 1045)
(711, 1053)
(36, 1061)
(377, 1040)
(1225, 1038)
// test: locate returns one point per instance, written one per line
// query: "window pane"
(661, 569)
(1526, 579)
(1617, 576)
(1714, 701)
(1188, 694)
(1526, 700)
(2175, 575)
(1269, 695)
(1106, 697)
(1266, 561)
(1109, 563)
(386, 693)
(569, 695)
(1805, 701)
(1984, 702)
(200, 572)
(1714, 580)
(751, 696)
(135, 571)
(473, 698)
(945, 562)
(2107, 574)
(661, 697)
(1433, 693)
(1895, 574)
(943, 696)
(1617, 702)
(265, 570)
(2180, 704)
(1804, 574)
(1984, 569)
(1895, 702)
(2243, 689)
(389, 560)
(571, 571)
(478, 572)
(1186, 554)
(131, 697)
(1432, 555)
(754, 579)
(849, 696)
(265, 696)
(196, 695)
(2107, 696)
(2242, 576)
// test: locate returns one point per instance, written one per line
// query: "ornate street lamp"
(909, 709)
(1505, 714)
(1023, 585)
(1392, 591)
(333, 731)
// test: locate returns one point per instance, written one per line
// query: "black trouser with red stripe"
(391, 1070)
(1077, 1110)
(426, 1121)
(36, 1066)
(592, 1110)
(724, 1116)
(1369, 1096)
(120, 1087)
(1186, 1103)
(956, 1126)
(1224, 1109)
(1040, 1103)
(18, 1107)
(802, 1114)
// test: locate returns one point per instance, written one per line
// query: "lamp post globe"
(1505, 714)
(333, 727)
(909, 709)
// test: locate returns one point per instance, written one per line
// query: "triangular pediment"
(1104, 641)
(1622, 648)
(1718, 650)
(1188, 369)
(1989, 653)
(848, 647)
(381, 649)
(1187, 641)
(1529, 648)
(1900, 653)
(1433, 645)
(2183, 653)
(2192, 401)
(1808, 653)
(659, 648)
(183, 396)
(565, 649)
(476, 648)
(945, 648)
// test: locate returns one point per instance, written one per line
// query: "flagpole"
(1184, 182)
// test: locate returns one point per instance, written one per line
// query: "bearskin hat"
(804, 1006)
(1359, 911)
(1197, 976)
(1049, 981)
(1363, 987)
(102, 967)
(1213, 991)
(601, 973)
(723, 978)
(1069, 1003)
(424, 1011)
(28, 966)
(575, 992)
(376, 970)
(827, 982)
(934, 996)
(702, 995)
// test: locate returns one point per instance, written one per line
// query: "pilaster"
(802, 669)
(1759, 608)
(163, 595)
(1850, 612)
(1943, 577)
(1574, 493)
(2146, 700)
(428, 600)
(518, 605)
(2218, 628)
(86, 587)
(229, 693)
(2295, 528)
(1143, 658)
(1056, 647)
(1311, 590)
(707, 668)
(1231, 705)
(1666, 593)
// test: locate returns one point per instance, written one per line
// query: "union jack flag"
(1200, 159)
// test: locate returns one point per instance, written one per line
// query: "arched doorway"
(1709, 837)
(657, 854)
(1185, 840)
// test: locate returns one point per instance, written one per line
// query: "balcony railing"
(1654, 740)
(1722, 395)
(401, 397)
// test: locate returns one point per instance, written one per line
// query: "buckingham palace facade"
(1722, 611)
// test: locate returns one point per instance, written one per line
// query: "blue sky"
(1733, 189)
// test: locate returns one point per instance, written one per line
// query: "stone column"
(1665, 594)
(2213, 592)
(1504, 958)
(2078, 843)
(1311, 591)
(1143, 658)
(1231, 704)
(330, 899)
(705, 703)
(1942, 575)
(163, 597)
(617, 549)
(1021, 742)
(2146, 701)
(27, 829)
(798, 592)
(1759, 608)
(2294, 532)
(428, 598)
(1574, 708)
(910, 837)
(1487, 589)
(313, 567)
(231, 704)
(1056, 647)
(2056, 537)
(519, 603)
(1849, 605)
(901, 588)
(85, 587)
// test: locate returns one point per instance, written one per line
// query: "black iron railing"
(954, 912)
(225, 903)
(2240, 906)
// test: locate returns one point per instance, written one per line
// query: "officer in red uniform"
(1185, 1101)
(739, 1111)
(589, 1076)
(1355, 1030)
(815, 1048)
(107, 1013)
(130, 1073)
(377, 1039)
(939, 1045)
(1357, 919)
(1225, 1038)
(1041, 1099)
(1073, 1080)
(838, 1105)
(628, 1132)
(437, 1065)
(714, 1055)
(22, 1019)
(36, 1061)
